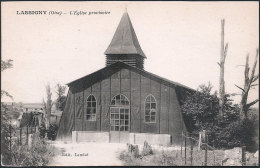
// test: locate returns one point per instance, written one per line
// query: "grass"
(176, 158)
(39, 153)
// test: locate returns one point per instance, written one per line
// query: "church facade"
(122, 102)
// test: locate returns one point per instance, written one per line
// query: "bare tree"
(5, 65)
(223, 54)
(248, 84)
(48, 105)
(61, 100)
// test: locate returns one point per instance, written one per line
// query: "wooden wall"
(136, 88)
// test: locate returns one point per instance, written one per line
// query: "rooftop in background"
(32, 105)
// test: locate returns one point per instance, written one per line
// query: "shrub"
(5, 140)
(42, 130)
(200, 112)
(147, 149)
(52, 132)
(238, 134)
(39, 153)
(129, 159)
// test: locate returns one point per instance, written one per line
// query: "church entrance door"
(119, 119)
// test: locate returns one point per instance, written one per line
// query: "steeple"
(125, 46)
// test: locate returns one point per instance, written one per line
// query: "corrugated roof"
(123, 65)
(125, 40)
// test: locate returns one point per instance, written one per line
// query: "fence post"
(243, 155)
(206, 148)
(191, 151)
(199, 140)
(185, 146)
(214, 154)
(10, 127)
(181, 142)
(21, 135)
(27, 138)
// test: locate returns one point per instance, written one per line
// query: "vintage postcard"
(129, 83)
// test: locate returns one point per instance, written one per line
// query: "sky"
(180, 39)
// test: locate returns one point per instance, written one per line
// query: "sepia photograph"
(129, 83)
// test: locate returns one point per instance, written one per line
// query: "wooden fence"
(195, 151)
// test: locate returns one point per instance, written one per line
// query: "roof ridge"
(126, 65)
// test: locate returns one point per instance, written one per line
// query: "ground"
(94, 154)
(98, 154)
(108, 154)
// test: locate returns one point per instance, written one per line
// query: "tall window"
(119, 113)
(91, 108)
(150, 109)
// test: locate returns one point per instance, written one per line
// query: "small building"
(122, 102)
(32, 107)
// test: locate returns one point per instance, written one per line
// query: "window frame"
(122, 104)
(150, 105)
(119, 105)
(91, 108)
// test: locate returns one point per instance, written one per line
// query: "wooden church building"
(122, 102)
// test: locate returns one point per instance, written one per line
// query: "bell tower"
(124, 46)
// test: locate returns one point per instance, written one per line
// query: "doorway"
(119, 119)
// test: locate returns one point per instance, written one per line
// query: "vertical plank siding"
(164, 110)
(178, 125)
(135, 102)
(136, 87)
(105, 89)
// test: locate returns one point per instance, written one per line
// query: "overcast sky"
(180, 39)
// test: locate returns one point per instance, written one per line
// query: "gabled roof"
(125, 40)
(109, 70)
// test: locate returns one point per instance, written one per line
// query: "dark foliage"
(40, 153)
(200, 112)
(236, 134)
(5, 136)
(42, 130)
(52, 132)
(60, 103)
(61, 100)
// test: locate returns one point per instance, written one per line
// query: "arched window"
(119, 113)
(91, 108)
(150, 109)
(120, 100)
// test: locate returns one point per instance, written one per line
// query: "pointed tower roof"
(125, 40)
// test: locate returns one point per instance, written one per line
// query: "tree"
(223, 54)
(61, 100)
(248, 84)
(201, 109)
(48, 105)
(5, 121)
(5, 65)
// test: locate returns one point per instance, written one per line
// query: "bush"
(5, 135)
(42, 130)
(52, 132)
(200, 112)
(147, 149)
(237, 134)
(39, 153)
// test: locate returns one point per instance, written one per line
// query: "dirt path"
(92, 154)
